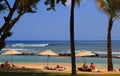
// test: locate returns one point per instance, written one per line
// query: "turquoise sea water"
(35, 47)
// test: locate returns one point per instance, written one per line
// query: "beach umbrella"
(118, 56)
(85, 53)
(47, 53)
(11, 52)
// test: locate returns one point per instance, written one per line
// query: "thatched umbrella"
(47, 53)
(11, 52)
(85, 53)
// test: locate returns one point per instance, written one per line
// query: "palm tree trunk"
(109, 46)
(72, 38)
(2, 43)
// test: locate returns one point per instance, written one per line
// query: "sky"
(90, 23)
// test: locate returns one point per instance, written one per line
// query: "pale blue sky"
(90, 24)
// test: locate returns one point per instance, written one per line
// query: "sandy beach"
(39, 67)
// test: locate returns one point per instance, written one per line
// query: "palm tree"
(72, 41)
(112, 9)
(15, 12)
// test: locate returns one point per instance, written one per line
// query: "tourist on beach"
(60, 68)
(6, 64)
(92, 66)
(84, 65)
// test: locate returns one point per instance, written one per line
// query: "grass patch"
(31, 74)
(49, 74)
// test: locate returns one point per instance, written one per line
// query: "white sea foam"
(30, 45)
(99, 52)
(14, 49)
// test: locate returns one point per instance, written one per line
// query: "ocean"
(35, 47)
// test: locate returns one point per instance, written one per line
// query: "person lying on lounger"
(60, 68)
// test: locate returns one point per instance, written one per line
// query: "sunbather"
(92, 67)
(49, 68)
(84, 65)
(6, 64)
(60, 68)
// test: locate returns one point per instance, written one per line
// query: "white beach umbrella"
(118, 56)
(47, 53)
(11, 52)
(85, 53)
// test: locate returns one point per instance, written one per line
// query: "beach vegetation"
(112, 10)
(13, 11)
(50, 74)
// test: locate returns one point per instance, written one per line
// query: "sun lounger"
(87, 70)
(84, 69)
(54, 68)
(96, 70)
(60, 68)
(49, 68)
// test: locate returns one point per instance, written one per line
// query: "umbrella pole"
(47, 60)
(11, 59)
(84, 59)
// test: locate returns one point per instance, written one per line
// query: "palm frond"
(110, 7)
(3, 6)
(27, 5)
(78, 2)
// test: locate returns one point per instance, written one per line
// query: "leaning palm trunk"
(72, 38)
(109, 46)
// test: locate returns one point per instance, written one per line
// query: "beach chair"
(49, 68)
(84, 69)
(60, 68)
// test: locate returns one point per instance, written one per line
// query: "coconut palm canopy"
(47, 53)
(11, 52)
(85, 53)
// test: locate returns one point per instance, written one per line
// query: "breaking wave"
(99, 52)
(29, 45)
